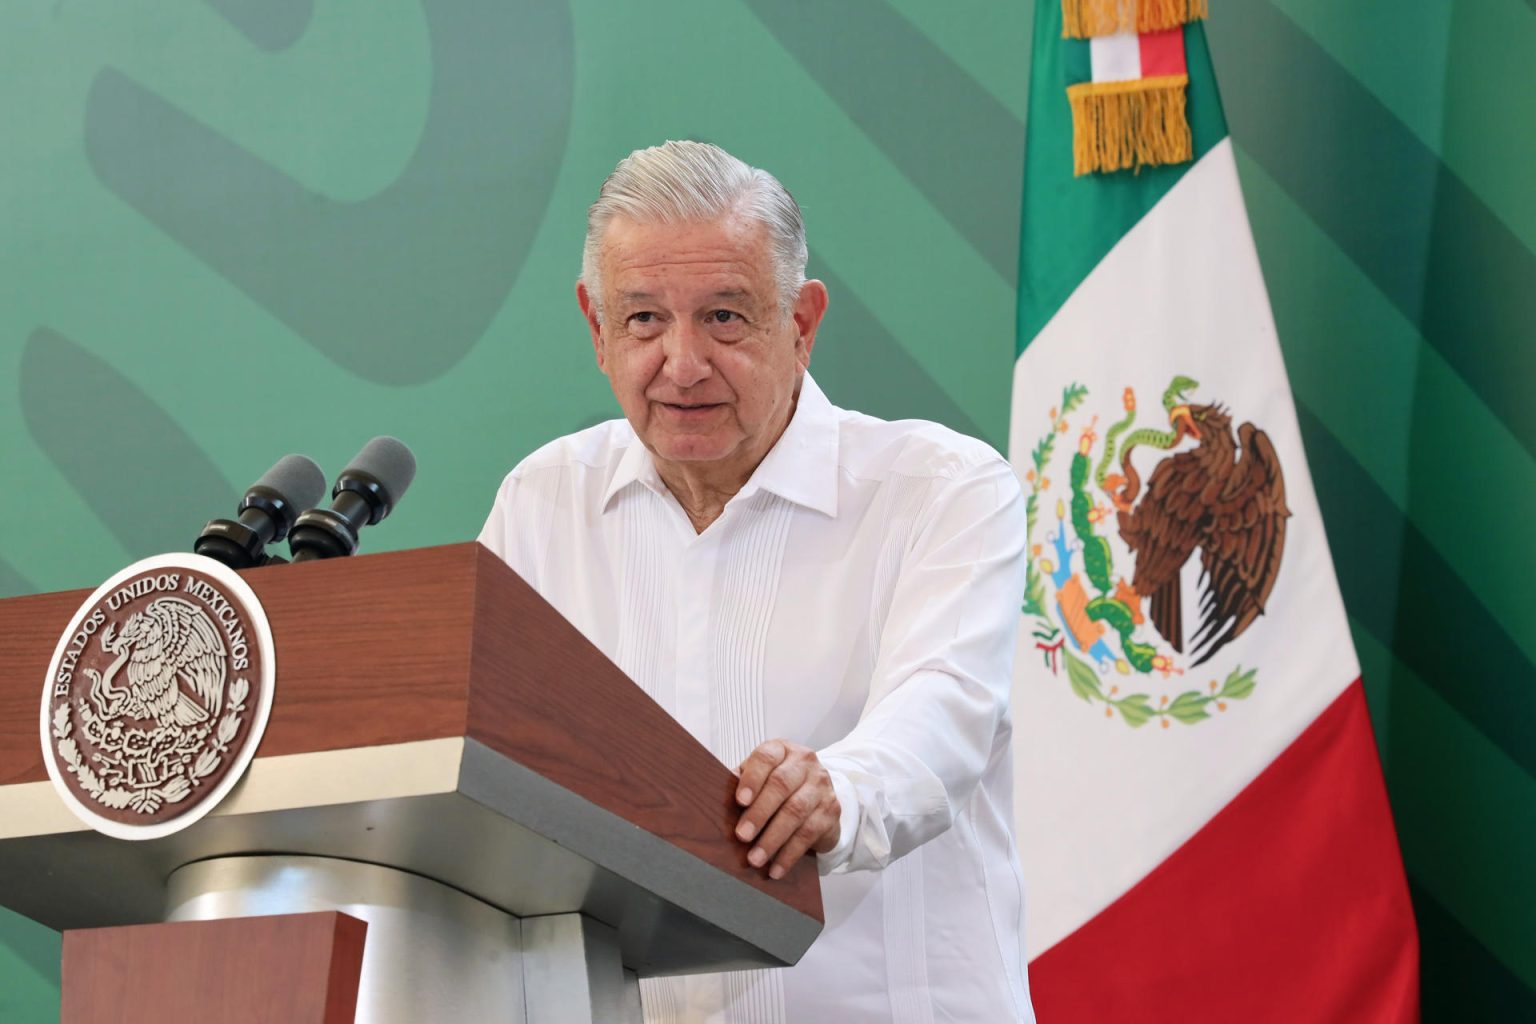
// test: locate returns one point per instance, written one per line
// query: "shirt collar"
(634, 467)
(801, 467)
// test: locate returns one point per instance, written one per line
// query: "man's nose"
(686, 348)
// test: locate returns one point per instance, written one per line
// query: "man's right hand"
(790, 806)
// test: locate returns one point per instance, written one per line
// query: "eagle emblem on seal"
(175, 664)
(1106, 582)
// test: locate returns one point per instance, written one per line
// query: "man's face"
(695, 342)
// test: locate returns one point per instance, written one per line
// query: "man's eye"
(644, 317)
(723, 316)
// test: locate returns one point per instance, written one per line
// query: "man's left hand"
(790, 806)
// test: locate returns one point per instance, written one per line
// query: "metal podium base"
(432, 952)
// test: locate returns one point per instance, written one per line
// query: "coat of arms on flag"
(1106, 584)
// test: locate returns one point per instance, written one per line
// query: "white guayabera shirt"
(860, 595)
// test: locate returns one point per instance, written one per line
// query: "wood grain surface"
(30, 628)
(295, 968)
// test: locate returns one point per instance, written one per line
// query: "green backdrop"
(238, 228)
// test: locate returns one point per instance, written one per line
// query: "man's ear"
(588, 304)
(810, 307)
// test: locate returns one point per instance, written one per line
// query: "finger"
(810, 833)
(791, 815)
(784, 780)
(757, 767)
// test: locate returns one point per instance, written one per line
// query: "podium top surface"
(432, 713)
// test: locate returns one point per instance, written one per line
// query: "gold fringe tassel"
(1084, 19)
(1129, 125)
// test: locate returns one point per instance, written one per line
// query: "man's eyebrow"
(637, 296)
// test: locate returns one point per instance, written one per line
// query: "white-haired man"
(826, 599)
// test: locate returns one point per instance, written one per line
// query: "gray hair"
(695, 181)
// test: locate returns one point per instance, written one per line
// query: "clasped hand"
(790, 806)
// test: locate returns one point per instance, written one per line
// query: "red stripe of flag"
(1289, 906)
(1162, 53)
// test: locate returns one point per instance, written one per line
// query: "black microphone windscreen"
(296, 478)
(389, 462)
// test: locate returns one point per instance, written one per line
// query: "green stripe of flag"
(1076, 60)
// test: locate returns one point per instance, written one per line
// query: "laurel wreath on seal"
(1135, 709)
(148, 800)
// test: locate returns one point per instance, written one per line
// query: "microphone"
(266, 514)
(365, 492)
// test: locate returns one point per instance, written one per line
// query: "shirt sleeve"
(938, 701)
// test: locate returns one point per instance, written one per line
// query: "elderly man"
(826, 599)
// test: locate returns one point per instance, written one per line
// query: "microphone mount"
(265, 515)
(365, 493)
(359, 500)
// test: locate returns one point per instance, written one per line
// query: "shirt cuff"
(848, 825)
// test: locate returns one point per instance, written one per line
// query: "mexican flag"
(1203, 824)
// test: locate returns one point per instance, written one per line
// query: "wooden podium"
(524, 832)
